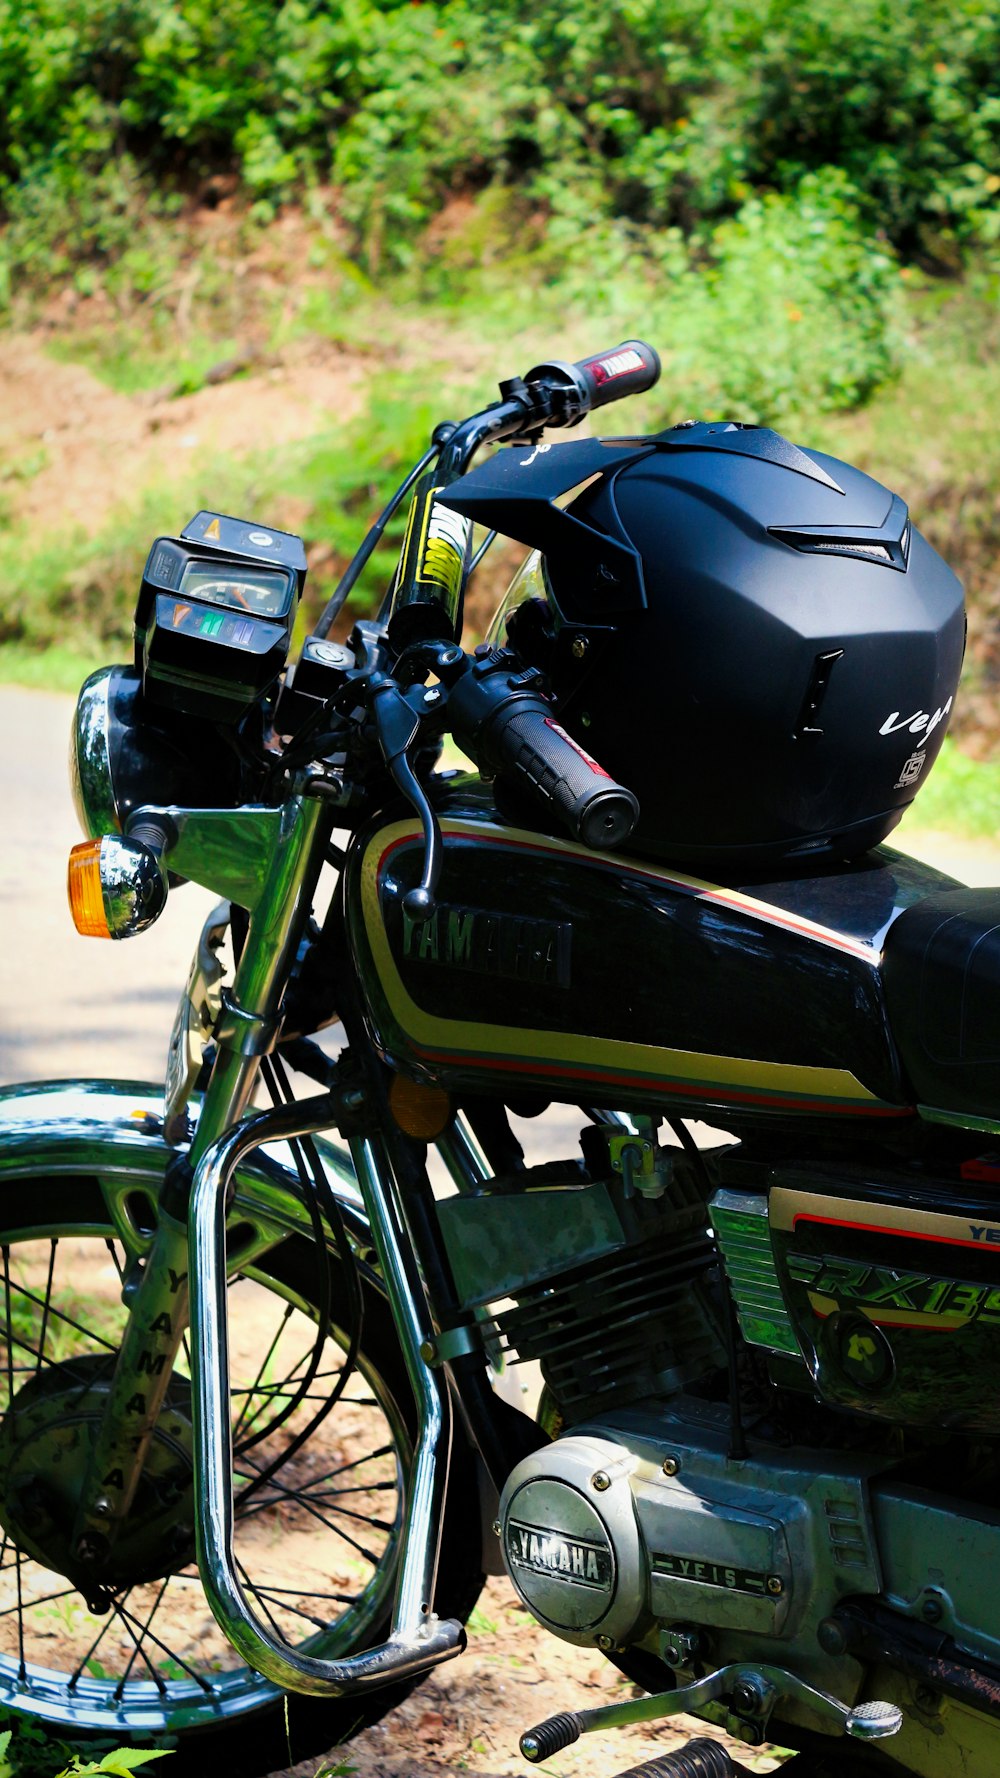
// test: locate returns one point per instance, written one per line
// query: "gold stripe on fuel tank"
(576, 1053)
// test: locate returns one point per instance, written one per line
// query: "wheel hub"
(46, 1438)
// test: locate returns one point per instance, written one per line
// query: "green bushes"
(667, 113)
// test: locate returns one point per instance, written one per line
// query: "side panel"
(894, 1295)
(550, 968)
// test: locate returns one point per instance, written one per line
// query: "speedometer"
(265, 592)
(214, 621)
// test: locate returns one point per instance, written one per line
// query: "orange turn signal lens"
(83, 885)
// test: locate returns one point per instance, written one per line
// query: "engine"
(638, 1530)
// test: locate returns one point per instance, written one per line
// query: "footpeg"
(753, 1693)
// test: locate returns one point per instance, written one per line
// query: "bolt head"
(932, 1611)
(496, 1527)
(600, 1481)
(579, 648)
(775, 1585)
(605, 1642)
(671, 1465)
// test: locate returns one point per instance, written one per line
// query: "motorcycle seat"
(941, 976)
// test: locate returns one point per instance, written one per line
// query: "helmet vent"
(876, 552)
(887, 544)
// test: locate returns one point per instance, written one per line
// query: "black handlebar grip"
(627, 369)
(523, 742)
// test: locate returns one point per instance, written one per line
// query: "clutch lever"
(398, 725)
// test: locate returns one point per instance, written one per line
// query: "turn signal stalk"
(116, 887)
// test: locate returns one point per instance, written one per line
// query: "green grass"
(962, 796)
(53, 668)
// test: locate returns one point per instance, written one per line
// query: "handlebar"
(426, 599)
(498, 716)
(573, 390)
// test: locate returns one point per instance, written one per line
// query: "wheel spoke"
(120, 1687)
(265, 1593)
(299, 1499)
(45, 1311)
(91, 1652)
(255, 1590)
(170, 1653)
(269, 1354)
(125, 1618)
(116, 1262)
(95, 1339)
(356, 1462)
(29, 1604)
(21, 1668)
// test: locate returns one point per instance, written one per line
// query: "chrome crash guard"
(114, 1127)
(418, 1639)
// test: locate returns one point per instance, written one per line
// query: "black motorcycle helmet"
(752, 637)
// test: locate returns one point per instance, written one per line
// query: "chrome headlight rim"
(91, 773)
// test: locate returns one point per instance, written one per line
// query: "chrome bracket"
(246, 1033)
(454, 1342)
(418, 1638)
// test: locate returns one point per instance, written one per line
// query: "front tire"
(317, 1546)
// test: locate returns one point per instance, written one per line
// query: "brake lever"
(398, 725)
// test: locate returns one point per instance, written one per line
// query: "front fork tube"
(156, 1289)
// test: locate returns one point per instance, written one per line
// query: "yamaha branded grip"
(576, 389)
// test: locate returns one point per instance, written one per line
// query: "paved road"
(72, 1006)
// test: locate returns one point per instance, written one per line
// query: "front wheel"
(316, 1546)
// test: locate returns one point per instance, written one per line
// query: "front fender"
(114, 1129)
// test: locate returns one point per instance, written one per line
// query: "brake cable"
(349, 578)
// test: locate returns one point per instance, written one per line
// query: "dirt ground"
(466, 1718)
(101, 447)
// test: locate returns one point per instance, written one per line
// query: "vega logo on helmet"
(920, 723)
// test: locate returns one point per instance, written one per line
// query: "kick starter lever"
(752, 1691)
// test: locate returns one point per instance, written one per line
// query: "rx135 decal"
(895, 1305)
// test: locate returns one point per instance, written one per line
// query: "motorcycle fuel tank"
(549, 969)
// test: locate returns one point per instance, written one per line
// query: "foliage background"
(796, 200)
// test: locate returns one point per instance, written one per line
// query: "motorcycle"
(259, 1443)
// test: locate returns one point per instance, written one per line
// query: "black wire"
(304, 1148)
(480, 553)
(737, 1435)
(354, 568)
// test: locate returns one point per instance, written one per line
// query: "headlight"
(123, 755)
(105, 717)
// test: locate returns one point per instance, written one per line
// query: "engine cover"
(640, 1524)
(571, 1541)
